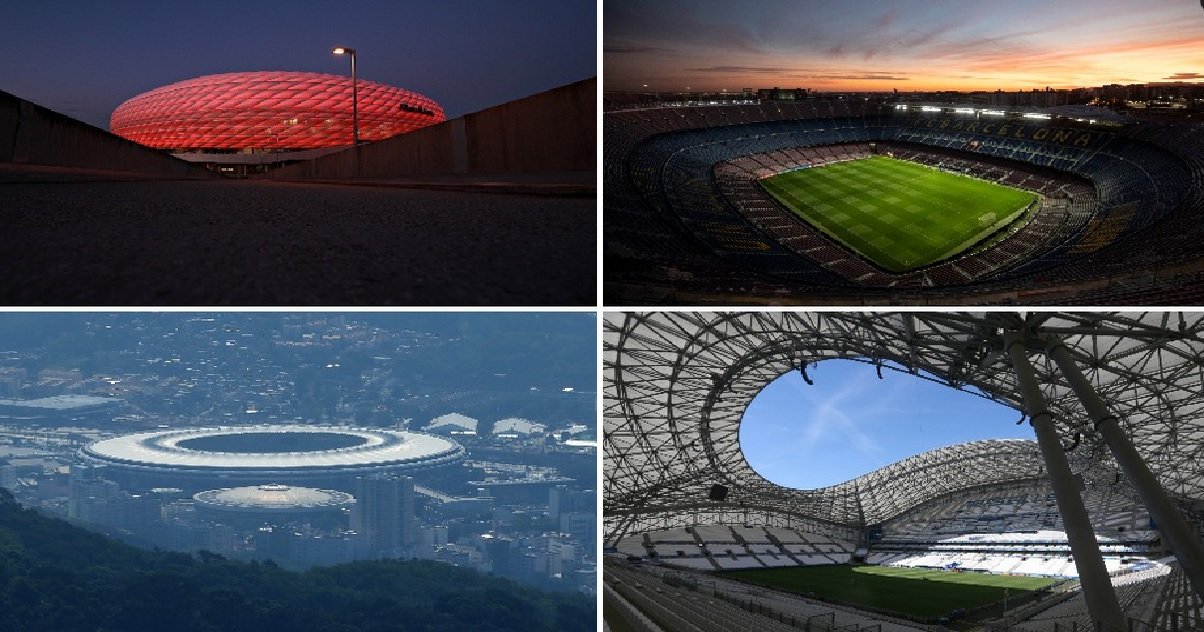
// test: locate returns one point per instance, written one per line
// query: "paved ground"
(267, 243)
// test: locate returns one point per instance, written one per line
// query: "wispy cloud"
(877, 44)
(832, 417)
(868, 76)
(776, 70)
(618, 49)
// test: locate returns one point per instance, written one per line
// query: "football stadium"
(197, 459)
(269, 110)
(853, 201)
(1093, 525)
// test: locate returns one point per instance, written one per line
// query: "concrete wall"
(551, 131)
(31, 134)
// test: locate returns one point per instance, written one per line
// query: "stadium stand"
(677, 600)
(684, 217)
(981, 515)
(717, 547)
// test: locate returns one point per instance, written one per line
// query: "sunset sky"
(880, 45)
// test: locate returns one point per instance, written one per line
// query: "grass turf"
(897, 214)
(916, 591)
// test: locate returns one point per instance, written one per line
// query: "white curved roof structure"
(452, 421)
(273, 498)
(363, 449)
(677, 384)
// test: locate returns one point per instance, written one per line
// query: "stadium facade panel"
(252, 456)
(269, 110)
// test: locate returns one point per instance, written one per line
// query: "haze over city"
(459, 448)
(864, 45)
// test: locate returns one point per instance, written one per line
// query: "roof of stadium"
(378, 447)
(61, 402)
(270, 110)
(677, 384)
(273, 498)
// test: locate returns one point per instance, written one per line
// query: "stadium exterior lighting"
(993, 112)
(929, 108)
(355, 110)
(1035, 115)
(900, 106)
(964, 110)
(266, 110)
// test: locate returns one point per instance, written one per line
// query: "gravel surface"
(266, 243)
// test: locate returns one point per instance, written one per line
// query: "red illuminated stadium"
(269, 110)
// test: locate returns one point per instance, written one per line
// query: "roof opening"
(849, 422)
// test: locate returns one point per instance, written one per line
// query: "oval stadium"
(269, 110)
(855, 201)
(204, 458)
(271, 501)
(1096, 522)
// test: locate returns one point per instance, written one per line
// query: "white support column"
(1171, 524)
(1102, 604)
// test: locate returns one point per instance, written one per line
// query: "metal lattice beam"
(677, 385)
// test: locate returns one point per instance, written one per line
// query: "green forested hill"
(55, 577)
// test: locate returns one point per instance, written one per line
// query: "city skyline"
(882, 46)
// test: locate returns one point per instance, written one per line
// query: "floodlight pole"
(1170, 521)
(355, 108)
(1102, 604)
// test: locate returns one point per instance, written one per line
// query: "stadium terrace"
(1095, 522)
(687, 220)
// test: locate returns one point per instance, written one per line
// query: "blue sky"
(850, 423)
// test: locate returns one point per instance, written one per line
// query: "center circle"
(272, 442)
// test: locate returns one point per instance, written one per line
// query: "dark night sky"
(84, 58)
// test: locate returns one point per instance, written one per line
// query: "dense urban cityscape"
(491, 416)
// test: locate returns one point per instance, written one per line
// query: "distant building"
(504, 555)
(384, 514)
(8, 475)
(782, 94)
(532, 490)
(453, 424)
(59, 410)
(574, 512)
(517, 426)
(91, 498)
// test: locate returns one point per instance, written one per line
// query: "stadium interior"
(1095, 525)
(686, 221)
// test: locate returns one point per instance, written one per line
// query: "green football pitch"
(897, 214)
(916, 591)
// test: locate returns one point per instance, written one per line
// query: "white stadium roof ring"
(282, 448)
